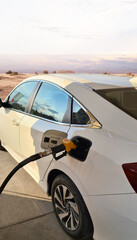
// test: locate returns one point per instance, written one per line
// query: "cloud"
(37, 24)
(49, 28)
(52, 111)
(122, 65)
(83, 62)
(115, 65)
(77, 63)
(28, 19)
(64, 32)
(99, 7)
(129, 1)
(102, 10)
(83, 2)
(129, 59)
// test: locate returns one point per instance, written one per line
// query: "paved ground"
(26, 213)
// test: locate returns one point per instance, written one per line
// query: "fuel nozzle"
(69, 145)
(66, 146)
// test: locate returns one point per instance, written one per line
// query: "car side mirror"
(3, 104)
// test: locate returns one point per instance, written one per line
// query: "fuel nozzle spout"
(69, 145)
(66, 146)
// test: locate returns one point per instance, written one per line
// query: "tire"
(2, 148)
(70, 209)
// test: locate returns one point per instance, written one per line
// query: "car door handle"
(15, 122)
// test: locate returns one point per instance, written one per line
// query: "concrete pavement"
(26, 212)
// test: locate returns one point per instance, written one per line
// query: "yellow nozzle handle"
(68, 145)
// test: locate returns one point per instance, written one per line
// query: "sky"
(69, 28)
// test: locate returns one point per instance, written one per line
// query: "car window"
(52, 103)
(79, 116)
(123, 98)
(19, 97)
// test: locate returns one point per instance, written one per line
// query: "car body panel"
(114, 216)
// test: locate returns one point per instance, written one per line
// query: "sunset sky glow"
(69, 28)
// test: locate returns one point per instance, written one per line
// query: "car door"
(51, 109)
(11, 116)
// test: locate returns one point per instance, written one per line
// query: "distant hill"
(75, 63)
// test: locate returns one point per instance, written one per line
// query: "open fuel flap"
(82, 148)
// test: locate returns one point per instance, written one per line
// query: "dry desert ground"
(9, 81)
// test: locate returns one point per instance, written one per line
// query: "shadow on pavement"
(26, 212)
(29, 218)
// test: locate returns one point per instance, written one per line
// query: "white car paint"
(32, 129)
(11, 120)
(100, 179)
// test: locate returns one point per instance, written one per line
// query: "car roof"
(94, 81)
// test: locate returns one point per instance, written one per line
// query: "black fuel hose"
(58, 149)
(20, 165)
(32, 158)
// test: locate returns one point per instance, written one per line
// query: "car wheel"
(70, 208)
(2, 148)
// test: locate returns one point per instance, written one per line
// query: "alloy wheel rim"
(66, 207)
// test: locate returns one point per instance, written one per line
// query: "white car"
(94, 187)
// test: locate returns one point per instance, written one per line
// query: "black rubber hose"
(20, 165)
(58, 149)
(32, 158)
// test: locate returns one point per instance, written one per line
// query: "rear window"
(123, 98)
